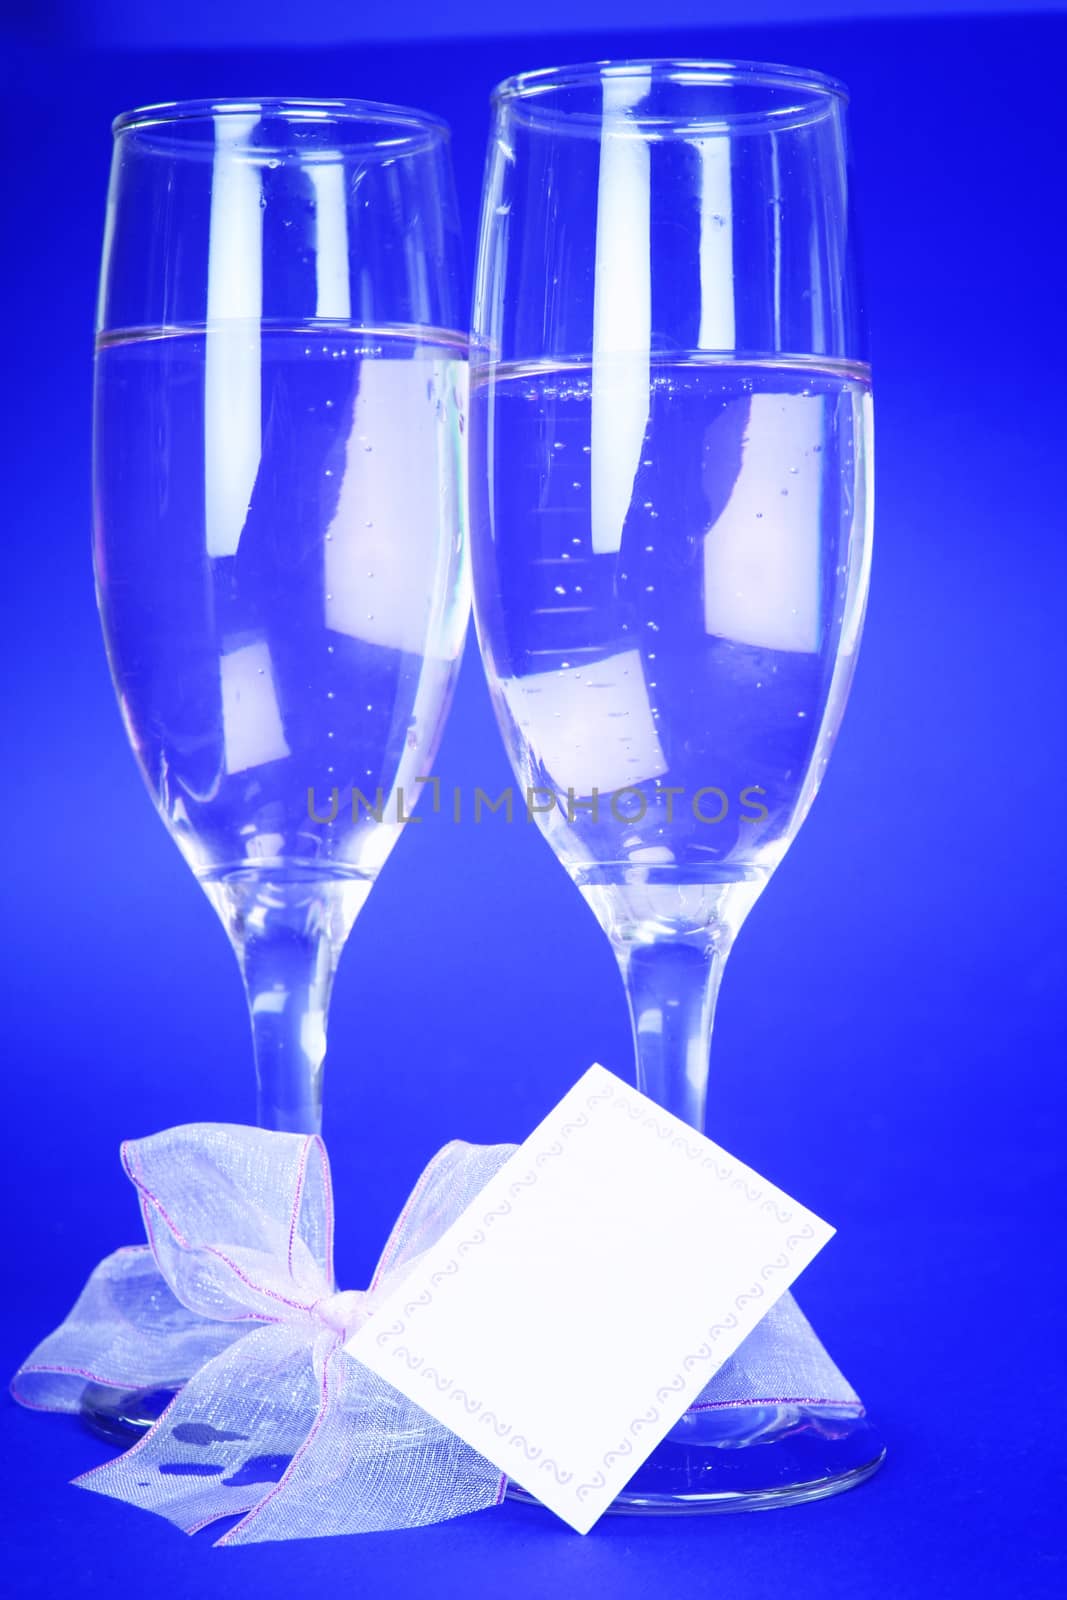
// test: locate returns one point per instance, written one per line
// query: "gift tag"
(567, 1319)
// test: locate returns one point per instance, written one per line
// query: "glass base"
(733, 1458)
(122, 1416)
(749, 1458)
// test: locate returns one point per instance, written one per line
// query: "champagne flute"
(671, 503)
(279, 515)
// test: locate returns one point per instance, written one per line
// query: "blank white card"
(567, 1319)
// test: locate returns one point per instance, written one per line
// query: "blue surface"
(132, 23)
(890, 1039)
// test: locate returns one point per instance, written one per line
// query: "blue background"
(890, 1041)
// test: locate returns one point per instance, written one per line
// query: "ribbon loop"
(239, 1220)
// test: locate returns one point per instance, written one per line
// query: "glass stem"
(672, 986)
(288, 979)
(288, 937)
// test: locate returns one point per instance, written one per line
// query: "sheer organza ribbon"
(233, 1296)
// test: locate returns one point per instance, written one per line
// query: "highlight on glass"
(279, 522)
(671, 505)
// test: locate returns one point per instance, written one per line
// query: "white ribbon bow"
(234, 1293)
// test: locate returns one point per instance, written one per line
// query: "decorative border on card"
(694, 1152)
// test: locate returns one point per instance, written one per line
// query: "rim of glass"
(375, 112)
(528, 87)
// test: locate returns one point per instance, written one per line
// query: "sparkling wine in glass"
(671, 524)
(279, 518)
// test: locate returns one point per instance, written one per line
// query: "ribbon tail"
(126, 1330)
(783, 1359)
(373, 1462)
(226, 1438)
